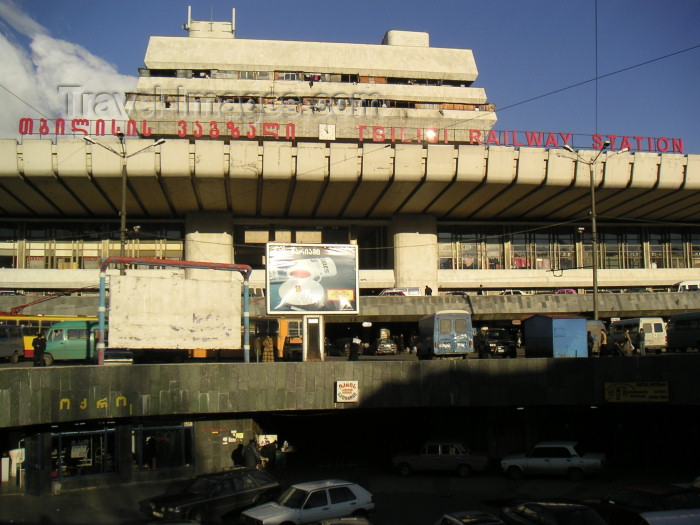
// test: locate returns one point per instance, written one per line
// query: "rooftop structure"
(322, 90)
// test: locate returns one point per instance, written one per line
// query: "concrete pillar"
(37, 463)
(415, 251)
(209, 238)
(124, 454)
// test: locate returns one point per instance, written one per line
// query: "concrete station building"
(387, 146)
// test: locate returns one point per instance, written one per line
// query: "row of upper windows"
(298, 76)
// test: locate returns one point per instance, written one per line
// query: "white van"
(401, 291)
(654, 332)
(688, 286)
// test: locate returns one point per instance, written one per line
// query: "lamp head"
(606, 145)
(568, 148)
(159, 142)
(89, 139)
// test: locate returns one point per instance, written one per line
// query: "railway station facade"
(388, 146)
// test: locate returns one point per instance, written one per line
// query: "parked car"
(311, 502)
(212, 496)
(565, 291)
(563, 458)
(469, 517)
(340, 347)
(624, 506)
(551, 513)
(385, 346)
(441, 455)
(495, 342)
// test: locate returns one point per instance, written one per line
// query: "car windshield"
(202, 486)
(293, 498)
(498, 334)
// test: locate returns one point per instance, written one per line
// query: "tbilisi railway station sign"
(364, 133)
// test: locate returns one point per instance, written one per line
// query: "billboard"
(312, 278)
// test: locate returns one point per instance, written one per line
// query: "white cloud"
(53, 78)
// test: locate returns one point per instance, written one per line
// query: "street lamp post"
(594, 222)
(122, 213)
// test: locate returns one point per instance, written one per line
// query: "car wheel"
(405, 469)
(575, 474)
(14, 358)
(515, 473)
(48, 359)
(464, 471)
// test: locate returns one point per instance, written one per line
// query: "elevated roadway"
(409, 309)
(65, 394)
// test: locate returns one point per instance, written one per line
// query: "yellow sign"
(637, 392)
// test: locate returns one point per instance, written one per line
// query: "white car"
(311, 502)
(564, 458)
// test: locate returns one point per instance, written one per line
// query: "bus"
(683, 332)
(33, 324)
(446, 334)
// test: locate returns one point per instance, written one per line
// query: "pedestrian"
(251, 456)
(589, 343)
(39, 345)
(627, 346)
(400, 344)
(641, 342)
(269, 452)
(237, 455)
(354, 353)
(428, 290)
(603, 350)
(268, 350)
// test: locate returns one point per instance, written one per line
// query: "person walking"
(641, 342)
(428, 290)
(39, 345)
(354, 354)
(251, 455)
(627, 347)
(603, 349)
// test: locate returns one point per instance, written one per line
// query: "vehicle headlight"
(174, 510)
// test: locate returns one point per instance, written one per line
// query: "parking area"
(413, 500)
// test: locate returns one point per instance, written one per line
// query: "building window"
(83, 453)
(162, 447)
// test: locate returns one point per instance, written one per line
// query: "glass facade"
(83, 453)
(81, 245)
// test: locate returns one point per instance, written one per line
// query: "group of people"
(252, 456)
(627, 347)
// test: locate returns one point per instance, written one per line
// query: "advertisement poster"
(312, 278)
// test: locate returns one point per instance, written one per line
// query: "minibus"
(683, 332)
(446, 334)
(688, 286)
(71, 341)
(654, 333)
(11, 342)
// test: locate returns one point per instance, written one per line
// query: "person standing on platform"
(39, 345)
(268, 350)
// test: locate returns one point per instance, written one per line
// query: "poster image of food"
(312, 278)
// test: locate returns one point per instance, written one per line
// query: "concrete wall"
(64, 394)
(151, 313)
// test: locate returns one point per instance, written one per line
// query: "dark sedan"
(537, 513)
(209, 497)
(624, 506)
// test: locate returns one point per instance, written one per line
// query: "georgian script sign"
(347, 391)
(379, 134)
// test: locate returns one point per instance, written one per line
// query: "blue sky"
(528, 53)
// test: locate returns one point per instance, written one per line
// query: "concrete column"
(415, 251)
(209, 238)
(37, 463)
